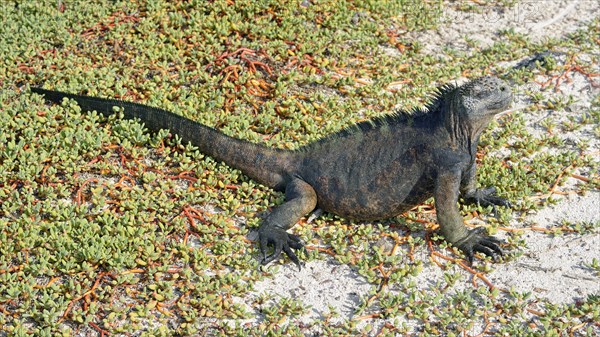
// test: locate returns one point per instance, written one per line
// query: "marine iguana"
(372, 170)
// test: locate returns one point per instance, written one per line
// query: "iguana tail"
(263, 164)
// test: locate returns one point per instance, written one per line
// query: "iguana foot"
(281, 241)
(479, 241)
(486, 197)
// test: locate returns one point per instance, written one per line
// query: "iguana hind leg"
(300, 200)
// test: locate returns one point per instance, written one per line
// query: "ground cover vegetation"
(108, 230)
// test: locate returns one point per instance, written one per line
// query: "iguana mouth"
(502, 104)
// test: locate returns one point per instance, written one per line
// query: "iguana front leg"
(484, 197)
(451, 222)
(300, 200)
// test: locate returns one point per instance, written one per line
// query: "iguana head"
(485, 97)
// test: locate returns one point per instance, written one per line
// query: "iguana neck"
(464, 130)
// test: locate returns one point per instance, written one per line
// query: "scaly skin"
(373, 170)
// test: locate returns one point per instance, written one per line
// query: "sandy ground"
(551, 267)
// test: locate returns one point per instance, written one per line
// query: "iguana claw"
(479, 241)
(486, 197)
(281, 241)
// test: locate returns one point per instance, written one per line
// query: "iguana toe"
(281, 241)
(294, 241)
(479, 241)
(485, 248)
(468, 251)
